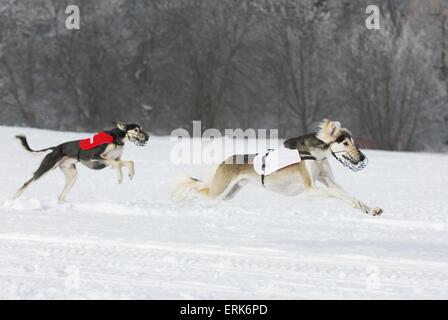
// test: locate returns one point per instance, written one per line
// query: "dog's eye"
(346, 143)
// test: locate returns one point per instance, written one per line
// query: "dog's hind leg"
(50, 162)
(23, 188)
(233, 189)
(216, 188)
(222, 183)
(70, 174)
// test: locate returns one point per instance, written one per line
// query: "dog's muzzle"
(350, 162)
(140, 140)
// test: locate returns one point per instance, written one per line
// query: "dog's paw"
(131, 174)
(376, 211)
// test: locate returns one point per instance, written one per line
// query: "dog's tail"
(188, 187)
(25, 144)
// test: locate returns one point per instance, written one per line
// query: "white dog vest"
(274, 160)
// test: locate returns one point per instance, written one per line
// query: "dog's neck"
(311, 143)
(119, 136)
(320, 154)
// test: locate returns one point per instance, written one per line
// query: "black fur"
(49, 162)
(71, 150)
(344, 135)
(26, 145)
(306, 142)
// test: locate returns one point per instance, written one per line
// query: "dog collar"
(305, 155)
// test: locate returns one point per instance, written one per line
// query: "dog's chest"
(113, 152)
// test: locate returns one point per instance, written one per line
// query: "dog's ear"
(119, 125)
(292, 143)
(333, 127)
(329, 130)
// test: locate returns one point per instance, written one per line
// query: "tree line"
(282, 64)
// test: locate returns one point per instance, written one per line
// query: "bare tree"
(282, 64)
(297, 60)
(17, 56)
(390, 85)
(217, 31)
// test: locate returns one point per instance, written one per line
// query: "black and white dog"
(103, 150)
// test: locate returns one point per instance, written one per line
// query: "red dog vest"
(95, 141)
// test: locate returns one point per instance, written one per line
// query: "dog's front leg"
(334, 188)
(131, 167)
(326, 177)
(118, 165)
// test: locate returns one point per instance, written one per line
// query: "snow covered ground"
(131, 241)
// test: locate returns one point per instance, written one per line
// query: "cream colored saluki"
(331, 139)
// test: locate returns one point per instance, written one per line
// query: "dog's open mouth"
(350, 162)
